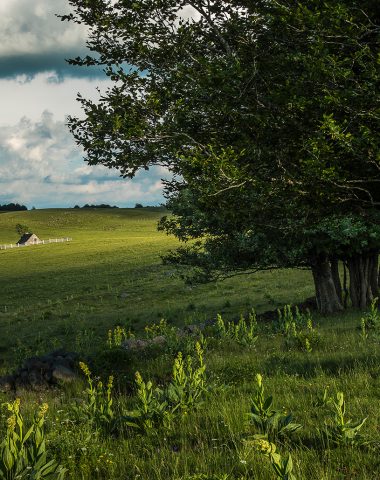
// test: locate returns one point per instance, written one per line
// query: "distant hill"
(62, 222)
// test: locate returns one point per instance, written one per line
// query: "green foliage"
(23, 452)
(363, 329)
(157, 329)
(188, 383)
(298, 329)
(246, 209)
(290, 318)
(117, 336)
(151, 407)
(22, 229)
(97, 407)
(371, 320)
(157, 407)
(282, 467)
(339, 430)
(244, 332)
(266, 421)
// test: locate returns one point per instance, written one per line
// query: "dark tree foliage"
(266, 113)
(22, 229)
(101, 205)
(12, 207)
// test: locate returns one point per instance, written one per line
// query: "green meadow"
(197, 426)
(111, 273)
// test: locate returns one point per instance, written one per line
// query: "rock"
(35, 363)
(7, 383)
(135, 344)
(71, 356)
(192, 329)
(63, 374)
(160, 340)
(36, 378)
(62, 362)
(124, 295)
(42, 372)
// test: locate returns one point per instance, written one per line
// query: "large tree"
(266, 113)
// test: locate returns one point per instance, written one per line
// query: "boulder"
(160, 340)
(62, 374)
(42, 372)
(135, 344)
(7, 383)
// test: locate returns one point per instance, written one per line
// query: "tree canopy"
(267, 115)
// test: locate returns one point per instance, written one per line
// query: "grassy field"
(110, 273)
(70, 295)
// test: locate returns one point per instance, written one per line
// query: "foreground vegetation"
(205, 414)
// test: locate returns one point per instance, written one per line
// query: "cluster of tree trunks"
(364, 281)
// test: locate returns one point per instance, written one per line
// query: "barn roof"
(25, 237)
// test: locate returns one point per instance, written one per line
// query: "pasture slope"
(70, 295)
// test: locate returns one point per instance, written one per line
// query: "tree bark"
(327, 298)
(345, 288)
(374, 275)
(364, 279)
(335, 275)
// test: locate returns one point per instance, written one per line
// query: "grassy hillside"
(110, 273)
(197, 425)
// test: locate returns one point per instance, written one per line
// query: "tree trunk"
(327, 298)
(335, 275)
(364, 280)
(345, 288)
(374, 275)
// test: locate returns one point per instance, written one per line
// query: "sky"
(40, 164)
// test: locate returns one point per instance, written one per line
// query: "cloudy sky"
(40, 165)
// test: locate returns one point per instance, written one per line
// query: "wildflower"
(265, 447)
(11, 423)
(42, 410)
(85, 369)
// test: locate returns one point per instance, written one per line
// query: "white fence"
(40, 242)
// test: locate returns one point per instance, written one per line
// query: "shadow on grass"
(312, 367)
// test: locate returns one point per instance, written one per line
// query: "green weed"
(117, 336)
(370, 322)
(188, 383)
(98, 406)
(23, 453)
(244, 332)
(339, 430)
(151, 407)
(267, 422)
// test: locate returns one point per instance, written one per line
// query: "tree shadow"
(313, 367)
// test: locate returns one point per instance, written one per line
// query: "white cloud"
(41, 165)
(30, 26)
(30, 99)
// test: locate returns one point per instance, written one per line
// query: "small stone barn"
(28, 239)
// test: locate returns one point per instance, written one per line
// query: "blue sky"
(40, 165)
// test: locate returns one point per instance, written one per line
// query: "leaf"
(268, 402)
